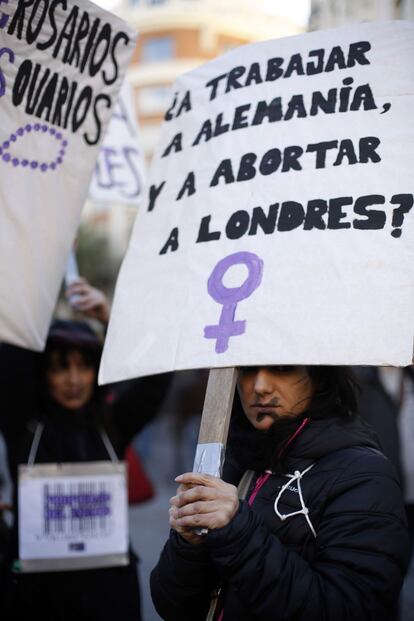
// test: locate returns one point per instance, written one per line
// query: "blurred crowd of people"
(52, 409)
(387, 403)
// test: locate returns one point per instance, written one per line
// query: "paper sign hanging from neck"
(61, 67)
(298, 152)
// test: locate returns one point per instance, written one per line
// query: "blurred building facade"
(333, 13)
(176, 36)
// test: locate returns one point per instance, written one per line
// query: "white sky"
(297, 10)
(106, 4)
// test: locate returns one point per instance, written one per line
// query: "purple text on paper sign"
(229, 297)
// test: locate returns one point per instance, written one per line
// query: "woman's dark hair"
(335, 395)
(336, 391)
(90, 356)
(64, 337)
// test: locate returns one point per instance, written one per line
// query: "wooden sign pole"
(215, 421)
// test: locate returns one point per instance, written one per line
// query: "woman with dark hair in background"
(54, 411)
(321, 534)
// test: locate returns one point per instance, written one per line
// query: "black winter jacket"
(68, 436)
(268, 561)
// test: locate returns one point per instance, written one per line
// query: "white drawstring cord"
(108, 445)
(304, 511)
(35, 443)
(38, 434)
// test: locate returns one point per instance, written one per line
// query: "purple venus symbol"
(230, 296)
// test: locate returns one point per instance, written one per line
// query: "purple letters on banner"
(121, 159)
(229, 297)
(4, 18)
(10, 54)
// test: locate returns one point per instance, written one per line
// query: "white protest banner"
(119, 170)
(61, 67)
(279, 225)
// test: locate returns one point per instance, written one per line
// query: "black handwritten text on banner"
(61, 67)
(297, 151)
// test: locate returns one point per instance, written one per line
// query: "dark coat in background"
(268, 561)
(378, 408)
(94, 594)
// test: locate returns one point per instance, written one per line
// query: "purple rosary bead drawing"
(9, 158)
(229, 297)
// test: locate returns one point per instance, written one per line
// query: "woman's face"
(271, 393)
(70, 379)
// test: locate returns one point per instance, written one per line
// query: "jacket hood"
(285, 447)
(319, 437)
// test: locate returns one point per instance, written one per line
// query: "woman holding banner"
(55, 416)
(320, 531)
